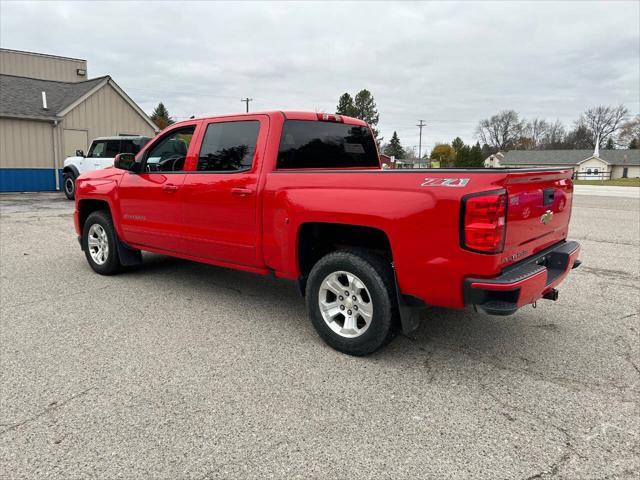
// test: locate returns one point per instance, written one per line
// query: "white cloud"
(450, 64)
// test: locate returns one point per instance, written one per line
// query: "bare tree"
(603, 121)
(630, 133)
(536, 130)
(555, 136)
(501, 131)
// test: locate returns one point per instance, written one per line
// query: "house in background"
(48, 110)
(493, 161)
(587, 164)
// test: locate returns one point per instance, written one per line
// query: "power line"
(247, 100)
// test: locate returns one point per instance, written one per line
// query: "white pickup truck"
(101, 154)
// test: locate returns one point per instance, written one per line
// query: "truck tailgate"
(538, 212)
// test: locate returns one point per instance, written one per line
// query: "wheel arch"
(317, 239)
(71, 169)
(128, 256)
(87, 206)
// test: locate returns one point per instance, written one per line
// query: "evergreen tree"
(394, 148)
(457, 144)
(365, 109)
(476, 159)
(463, 158)
(362, 107)
(161, 118)
(346, 106)
(610, 145)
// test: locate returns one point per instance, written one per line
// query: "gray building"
(48, 110)
(587, 164)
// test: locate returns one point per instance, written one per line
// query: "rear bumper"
(525, 282)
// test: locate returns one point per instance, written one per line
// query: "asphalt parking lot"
(180, 370)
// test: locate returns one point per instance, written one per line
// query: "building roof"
(569, 157)
(22, 96)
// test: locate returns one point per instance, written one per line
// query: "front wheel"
(69, 185)
(351, 301)
(99, 243)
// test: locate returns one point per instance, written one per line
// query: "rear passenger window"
(313, 144)
(228, 146)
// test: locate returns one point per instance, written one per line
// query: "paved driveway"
(180, 370)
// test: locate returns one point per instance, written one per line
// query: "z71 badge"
(445, 182)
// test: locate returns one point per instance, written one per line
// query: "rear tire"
(69, 185)
(363, 316)
(99, 242)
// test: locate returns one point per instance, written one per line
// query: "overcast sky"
(450, 64)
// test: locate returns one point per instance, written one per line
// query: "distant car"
(101, 154)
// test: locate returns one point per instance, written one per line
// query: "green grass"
(617, 182)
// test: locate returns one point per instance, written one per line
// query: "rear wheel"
(99, 243)
(350, 298)
(69, 185)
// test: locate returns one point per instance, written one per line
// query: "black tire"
(377, 275)
(111, 264)
(69, 185)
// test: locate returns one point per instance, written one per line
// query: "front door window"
(169, 154)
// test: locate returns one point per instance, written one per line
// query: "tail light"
(483, 221)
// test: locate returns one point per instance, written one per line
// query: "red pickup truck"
(302, 196)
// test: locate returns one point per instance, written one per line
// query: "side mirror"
(125, 161)
(79, 153)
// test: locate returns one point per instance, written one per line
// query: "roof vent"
(44, 101)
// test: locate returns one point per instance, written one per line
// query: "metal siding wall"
(43, 67)
(26, 156)
(105, 113)
(26, 144)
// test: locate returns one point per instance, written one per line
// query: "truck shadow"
(516, 339)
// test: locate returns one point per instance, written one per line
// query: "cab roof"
(123, 137)
(288, 115)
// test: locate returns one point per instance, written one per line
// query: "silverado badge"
(546, 217)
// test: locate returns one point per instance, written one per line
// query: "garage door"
(75, 140)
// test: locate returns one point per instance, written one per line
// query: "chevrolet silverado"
(302, 196)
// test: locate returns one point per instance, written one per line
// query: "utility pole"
(420, 125)
(247, 100)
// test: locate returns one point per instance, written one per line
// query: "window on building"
(228, 146)
(312, 144)
(169, 153)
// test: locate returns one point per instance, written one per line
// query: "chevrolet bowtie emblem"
(546, 217)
